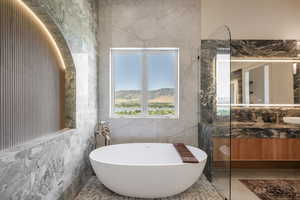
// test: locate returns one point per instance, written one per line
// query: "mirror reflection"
(265, 82)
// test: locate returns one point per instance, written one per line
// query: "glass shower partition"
(215, 108)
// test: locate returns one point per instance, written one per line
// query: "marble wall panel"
(296, 86)
(264, 48)
(272, 114)
(214, 126)
(57, 166)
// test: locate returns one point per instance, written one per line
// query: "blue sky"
(128, 71)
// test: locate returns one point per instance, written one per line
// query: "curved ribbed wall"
(31, 78)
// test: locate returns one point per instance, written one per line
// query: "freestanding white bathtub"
(146, 170)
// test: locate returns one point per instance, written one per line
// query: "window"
(144, 82)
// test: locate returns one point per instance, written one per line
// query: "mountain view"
(160, 102)
(153, 94)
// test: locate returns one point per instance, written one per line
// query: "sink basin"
(292, 120)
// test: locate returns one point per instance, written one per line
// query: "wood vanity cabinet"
(258, 149)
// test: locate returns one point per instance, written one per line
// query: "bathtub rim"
(149, 164)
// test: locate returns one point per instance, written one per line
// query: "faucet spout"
(104, 130)
(106, 140)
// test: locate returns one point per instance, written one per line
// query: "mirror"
(265, 81)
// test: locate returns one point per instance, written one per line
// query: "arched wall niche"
(37, 75)
(70, 70)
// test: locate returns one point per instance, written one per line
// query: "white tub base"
(146, 170)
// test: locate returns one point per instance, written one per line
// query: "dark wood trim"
(62, 77)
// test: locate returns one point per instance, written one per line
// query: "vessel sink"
(292, 120)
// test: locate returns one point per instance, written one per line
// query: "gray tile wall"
(153, 23)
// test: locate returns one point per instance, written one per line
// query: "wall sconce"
(295, 68)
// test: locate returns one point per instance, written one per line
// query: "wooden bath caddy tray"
(185, 154)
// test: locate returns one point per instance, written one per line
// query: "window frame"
(144, 83)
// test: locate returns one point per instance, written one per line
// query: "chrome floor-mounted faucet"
(103, 128)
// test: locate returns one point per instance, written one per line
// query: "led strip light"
(52, 40)
(266, 60)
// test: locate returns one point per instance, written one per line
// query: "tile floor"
(201, 190)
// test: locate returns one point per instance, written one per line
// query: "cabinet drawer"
(260, 149)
